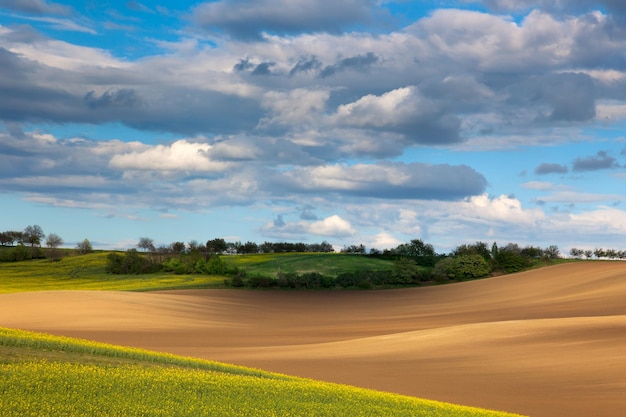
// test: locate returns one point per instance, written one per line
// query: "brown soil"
(550, 342)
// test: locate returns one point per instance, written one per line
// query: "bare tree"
(53, 241)
(33, 235)
(84, 247)
(146, 244)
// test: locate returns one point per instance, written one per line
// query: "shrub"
(508, 262)
(463, 267)
(130, 263)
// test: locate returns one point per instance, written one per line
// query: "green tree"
(216, 266)
(217, 245)
(405, 271)
(463, 267)
(354, 249)
(509, 261)
(132, 262)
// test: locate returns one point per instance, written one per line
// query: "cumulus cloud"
(179, 156)
(332, 226)
(383, 240)
(283, 96)
(297, 107)
(387, 180)
(403, 110)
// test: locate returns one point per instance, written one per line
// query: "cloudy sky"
(347, 121)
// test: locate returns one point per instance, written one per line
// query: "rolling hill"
(544, 342)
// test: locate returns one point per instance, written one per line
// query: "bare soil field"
(550, 342)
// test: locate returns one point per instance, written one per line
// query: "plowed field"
(550, 342)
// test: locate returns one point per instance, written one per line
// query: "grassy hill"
(328, 264)
(87, 272)
(49, 375)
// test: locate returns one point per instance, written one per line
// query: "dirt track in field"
(550, 342)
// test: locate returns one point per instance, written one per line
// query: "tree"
(415, 248)
(576, 253)
(84, 247)
(478, 248)
(405, 271)
(360, 249)
(249, 247)
(6, 239)
(33, 235)
(217, 245)
(146, 244)
(494, 250)
(177, 247)
(509, 261)
(53, 241)
(326, 247)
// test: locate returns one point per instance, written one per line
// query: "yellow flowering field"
(43, 375)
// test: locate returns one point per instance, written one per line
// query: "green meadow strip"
(87, 272)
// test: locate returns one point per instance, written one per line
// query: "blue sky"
(346, 121)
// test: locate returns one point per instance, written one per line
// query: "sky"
(367, 122)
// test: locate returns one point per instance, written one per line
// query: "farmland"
(512, 342)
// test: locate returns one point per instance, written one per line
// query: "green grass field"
(328, 264)
(50, 375)
(86, 272)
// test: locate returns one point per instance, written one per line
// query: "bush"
(237, 282)
(405, 271)
(130, 263)
(508, 262)
(463, 267)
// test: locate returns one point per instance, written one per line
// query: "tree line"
(414, 263)
(27, 244)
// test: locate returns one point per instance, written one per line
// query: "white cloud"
(296, 107)
(331, 226)
(383, 240)
(390, 108)
(502, 209)
(179, 156)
